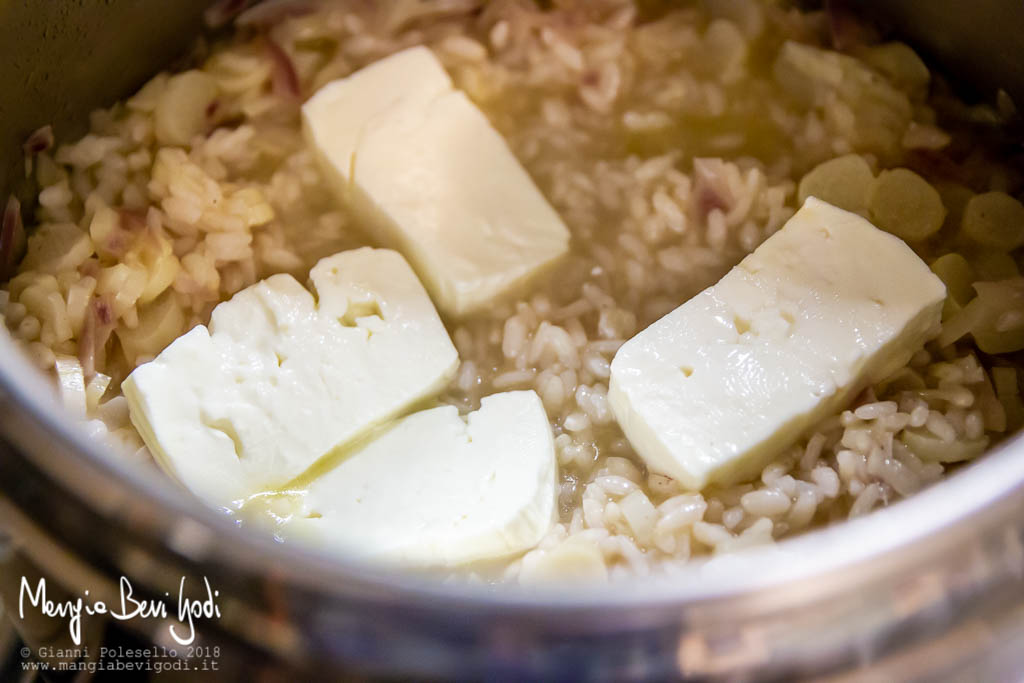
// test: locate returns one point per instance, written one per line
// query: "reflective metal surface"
(947, 561)
(978, 42)
(60, 60)
(928, 587)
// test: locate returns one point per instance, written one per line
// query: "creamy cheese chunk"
(428, 175)
(280, 378)
(829, 304)
(438, 489)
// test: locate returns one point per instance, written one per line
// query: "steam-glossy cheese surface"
(281, 378)
(712, 391)
(439, 489)
(427, 173)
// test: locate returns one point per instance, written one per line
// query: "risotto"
(671, 141)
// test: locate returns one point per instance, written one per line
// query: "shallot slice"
(40, 140)
(270, 12)
(99, 324)
(10, 229)
(221, 13)
(846, 31)
(284, 79)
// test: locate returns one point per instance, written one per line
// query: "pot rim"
(906, 535)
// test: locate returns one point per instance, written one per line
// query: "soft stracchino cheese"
(428, 175)
(280, 378)
(827, 305)
(439, 489)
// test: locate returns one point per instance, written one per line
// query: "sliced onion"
(159, 324)
(71, 378)
(844, 182)
(114, 412)
(709, 182)
(57, 247)
(283, 77)
(10, 230)
(107, 236)
(182, 110)
(99, 324)
(994, 219)
(269, 12)
(900, 64)
(94, 390)
(162, 266)
(40, 140)
(124, 283)
(222, 12)
(984, 317)
(905, 204)
(958, 276)
(845, 30)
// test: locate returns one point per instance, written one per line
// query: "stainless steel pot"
(929, 587)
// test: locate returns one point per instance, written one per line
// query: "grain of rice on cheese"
(671, 142)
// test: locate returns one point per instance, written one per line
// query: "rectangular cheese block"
(427, 174)
(282, 376)
(439, 489)
(829, 304)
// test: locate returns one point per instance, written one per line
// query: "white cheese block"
(437, 489)
(280, 378)
(829, 304)
(428, 175)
